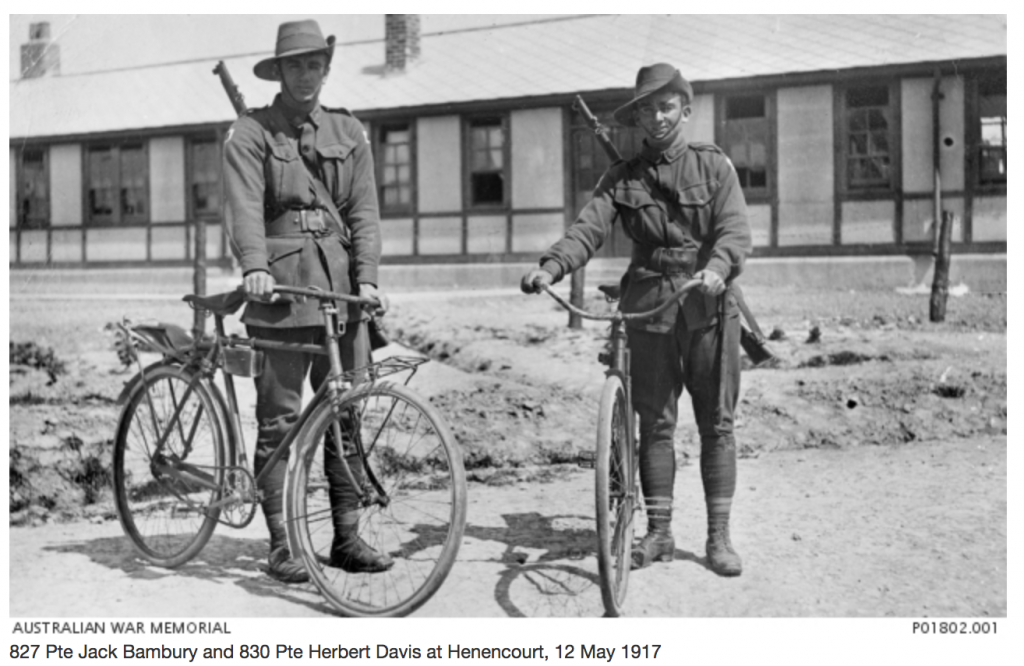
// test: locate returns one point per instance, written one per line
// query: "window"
(33, 189)
(116, 181)
(992, 131)
(394, 168)
(868, 127)
(204, 174)
(487, 162)
(744, 136)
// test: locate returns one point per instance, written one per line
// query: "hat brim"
(624, 114)
(266, 69)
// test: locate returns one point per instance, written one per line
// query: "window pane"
(402, 154)
(488, 188)
(390, 175)
(133, 181)
(992, 131)
(478, 138)
(751, 106)
(102, 182)
(205, 177)
(496, 158)
(396, 136)
(403, 174)
(858, 144)
(879, 143)
(33, 197)
(877, 120)
(858, 121)
(479, 161)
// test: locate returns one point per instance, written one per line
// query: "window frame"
(973, 132)
(117, 218)
(21, 221)
(380, 128)
(469, 122)
(842, 141)
(190, 175)
(766, 193)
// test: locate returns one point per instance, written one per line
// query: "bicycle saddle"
(219, 304)
(611, 291)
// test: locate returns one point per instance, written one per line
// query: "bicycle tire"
(412, 453)
(168, 519)
(614, 494)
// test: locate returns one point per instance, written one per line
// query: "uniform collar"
(295, 117)
(670, 154)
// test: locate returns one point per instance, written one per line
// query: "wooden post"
(199, 275)
(940, 285)
(578, 278)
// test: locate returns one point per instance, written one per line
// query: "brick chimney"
(40, 56)
(401, 41)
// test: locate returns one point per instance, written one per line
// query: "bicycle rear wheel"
(615, 495)
(165, 492)
(421, 515)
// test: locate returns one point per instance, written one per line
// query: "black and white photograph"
(643, 316)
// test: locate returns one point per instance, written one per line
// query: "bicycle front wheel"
(414, 471)
(615, 495)
(168, 458)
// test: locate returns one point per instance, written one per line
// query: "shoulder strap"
(324, 198)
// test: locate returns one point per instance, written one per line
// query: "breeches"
(661, 366)
(279, 391)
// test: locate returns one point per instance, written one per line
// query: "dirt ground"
(872, 472)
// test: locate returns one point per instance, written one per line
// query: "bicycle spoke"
(409, 462)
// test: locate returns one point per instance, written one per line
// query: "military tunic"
(269, 156)
(686, 199)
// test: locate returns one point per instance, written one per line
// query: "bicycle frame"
(205, 357)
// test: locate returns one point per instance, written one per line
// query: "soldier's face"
(302, 76)
(661, 116)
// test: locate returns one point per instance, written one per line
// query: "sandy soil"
(872, 470)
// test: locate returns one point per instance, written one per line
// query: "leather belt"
(300, 221)
(669, 260)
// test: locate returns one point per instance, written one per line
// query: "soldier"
(681, 205)
(303, 213)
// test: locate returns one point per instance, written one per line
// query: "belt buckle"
(313, 221)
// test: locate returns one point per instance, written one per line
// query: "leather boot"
(350, 553)
(283, 566)
(721, 557)
(657, 546)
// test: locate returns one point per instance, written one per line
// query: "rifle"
(234, 94)
(598, 128)
(751, 338)
(378, 338)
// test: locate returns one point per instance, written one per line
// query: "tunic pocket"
(287, 176)
(695, 205)
(642, 216)
(284, 256)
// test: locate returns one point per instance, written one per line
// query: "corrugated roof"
(539, 58)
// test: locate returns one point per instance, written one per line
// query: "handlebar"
(324, 295)
(618, 315)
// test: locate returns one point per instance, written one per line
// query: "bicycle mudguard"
(130, 385)
(167, 339)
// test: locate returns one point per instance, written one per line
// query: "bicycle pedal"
(604, 358)
(586, 459)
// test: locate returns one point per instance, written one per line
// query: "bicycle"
(180, 465)
(615, 458)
